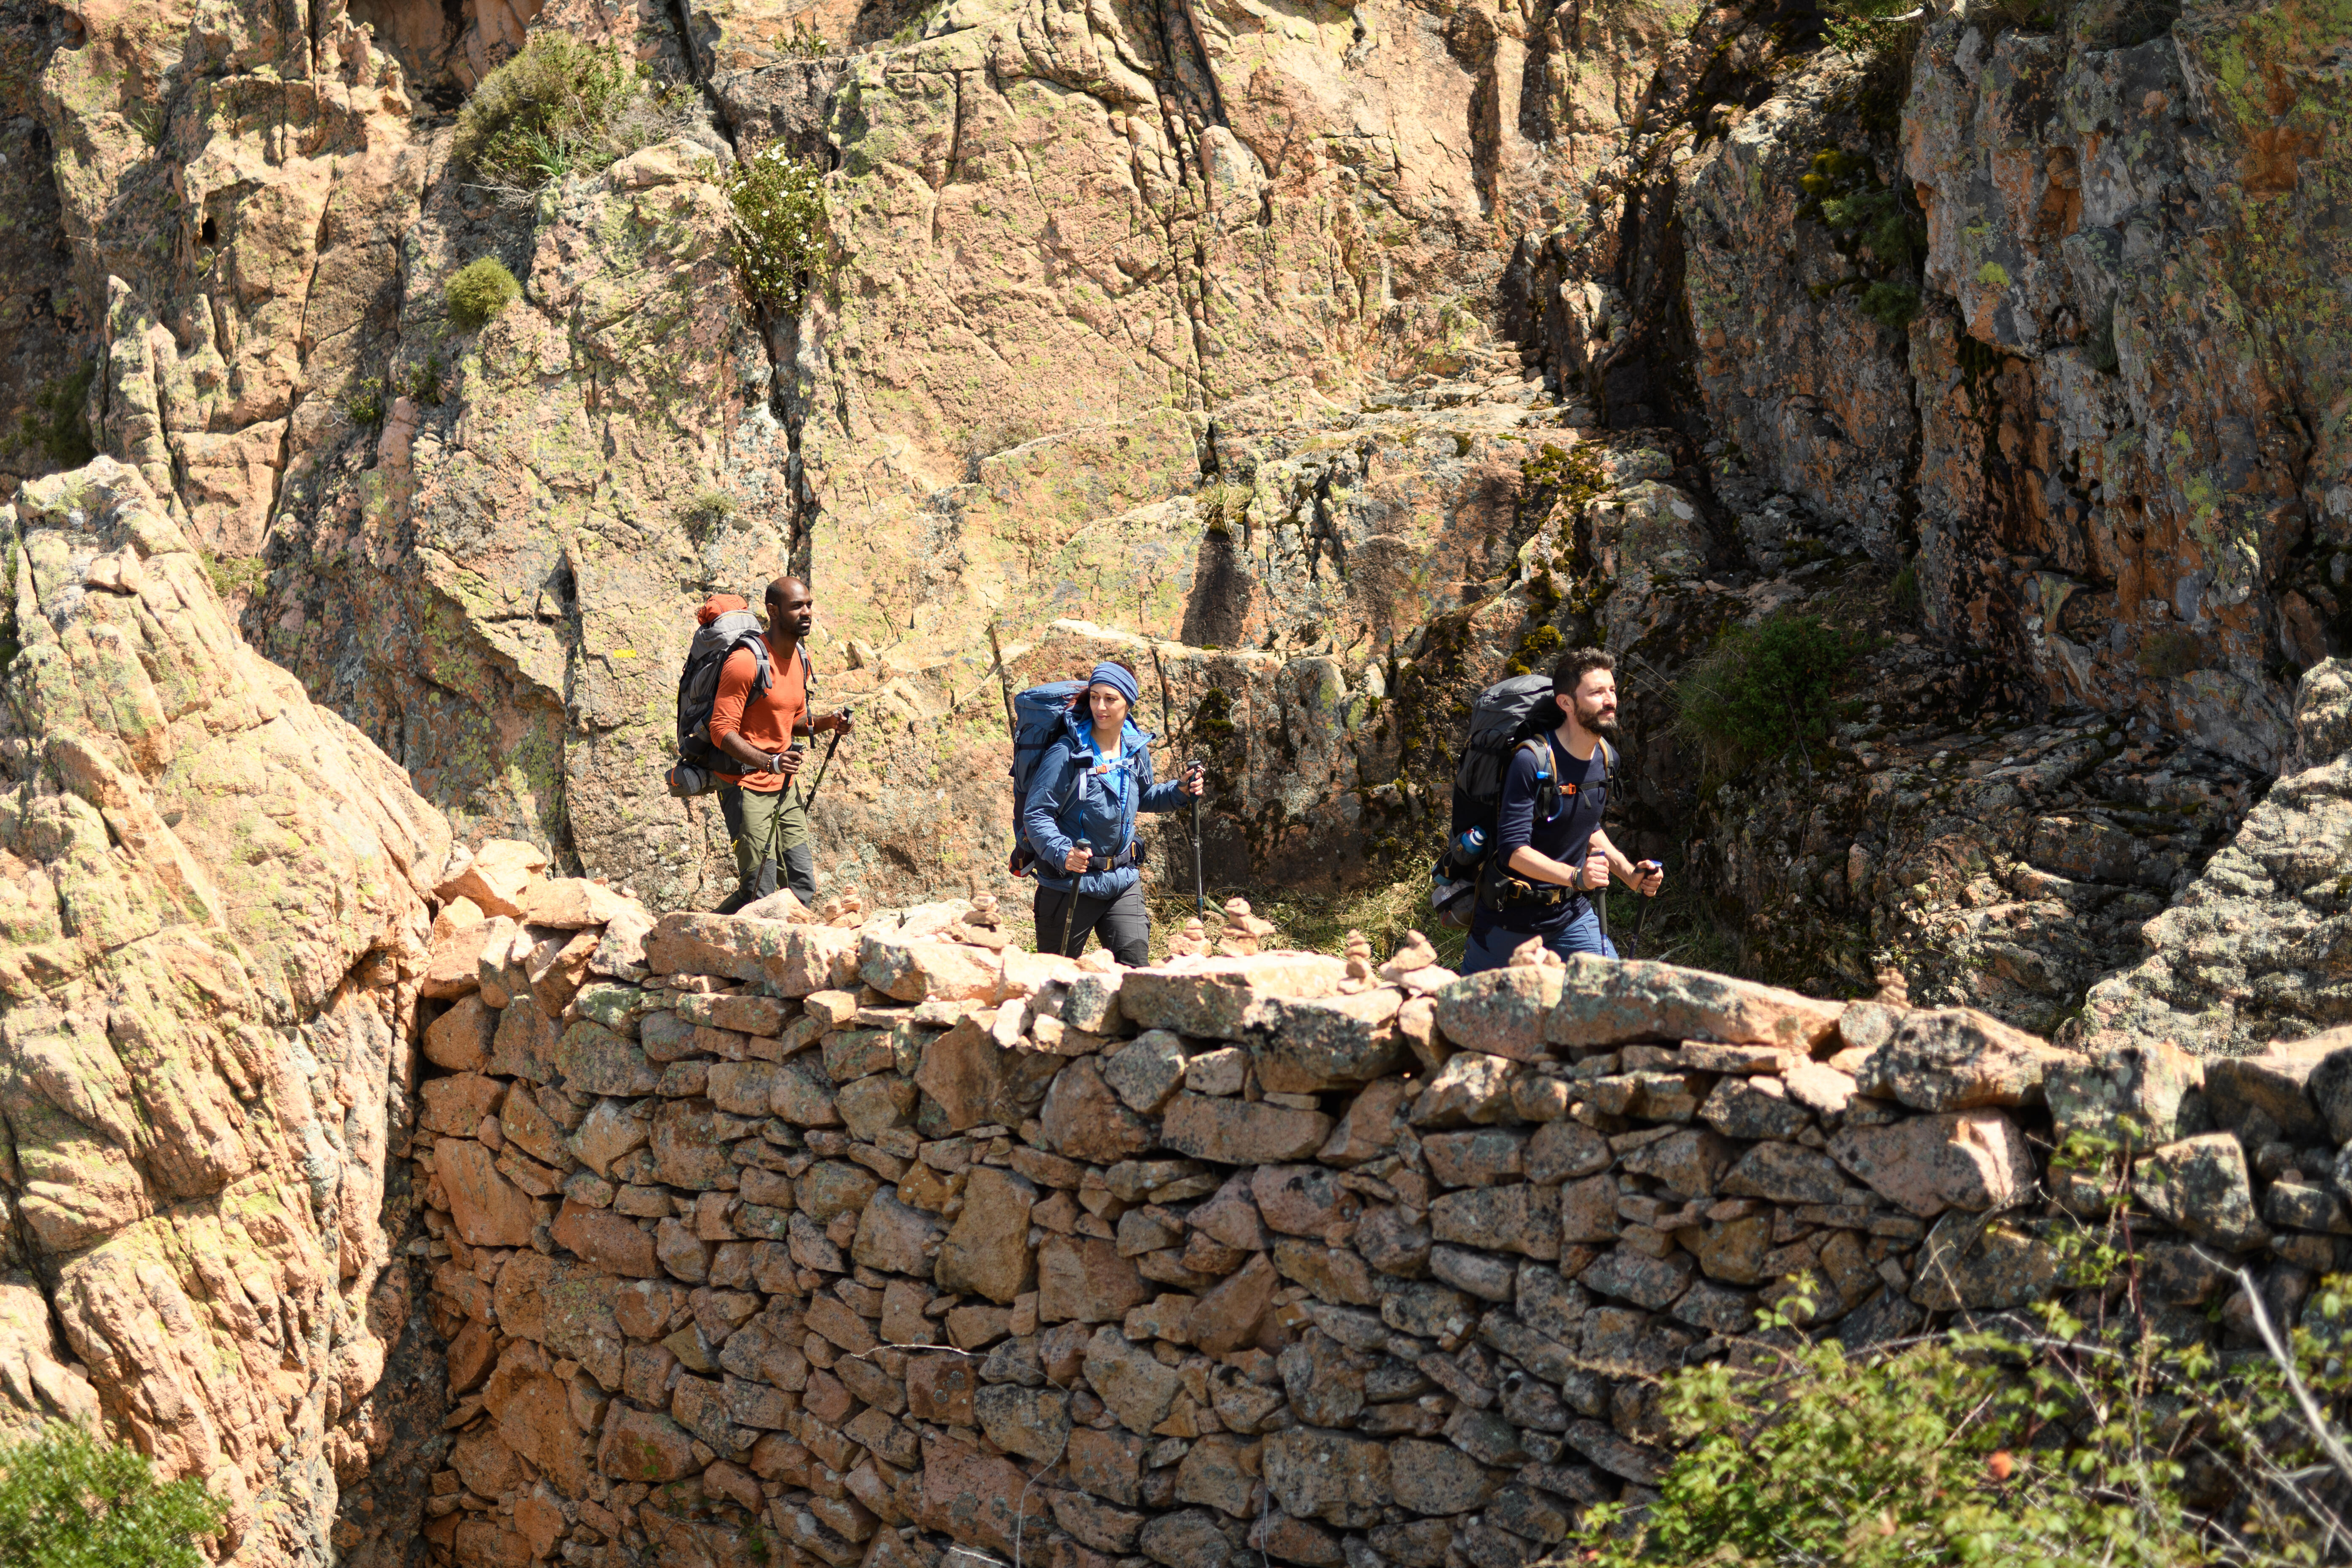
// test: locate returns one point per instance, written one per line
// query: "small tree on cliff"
(68, 1501)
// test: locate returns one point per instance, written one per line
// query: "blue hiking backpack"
(1037, 716)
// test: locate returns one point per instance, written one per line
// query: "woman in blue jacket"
(1080, 814)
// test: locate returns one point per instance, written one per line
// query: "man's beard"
(1595, 725)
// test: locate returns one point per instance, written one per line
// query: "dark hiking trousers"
(770, 834)
(1121, 923)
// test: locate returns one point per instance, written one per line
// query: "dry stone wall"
(875, 1241)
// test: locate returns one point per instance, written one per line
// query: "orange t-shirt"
(767, 721)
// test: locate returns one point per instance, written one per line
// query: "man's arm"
(1538, 867)
(1633, 876)
(1515, 823)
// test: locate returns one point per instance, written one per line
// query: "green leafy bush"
(2095, 1429)
(1762, 689)
(780, 225)
(68, 1500)
(480, 290)
(562, 107)
(1869, 29)
(1891, 305)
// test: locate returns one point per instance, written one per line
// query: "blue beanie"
(1116, 678)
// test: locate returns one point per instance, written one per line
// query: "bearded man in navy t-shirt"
(1546, 866)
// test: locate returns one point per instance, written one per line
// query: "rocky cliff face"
(215, 931)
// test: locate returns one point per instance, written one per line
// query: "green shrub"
(1764, 688)
(68, 1500)
(1903, 594)
(1891, 305)
(804, 42)
(2051, 1440)
(562, 107)
(363, 400)
(780, 225)
(1871, 225)
(1869, 30)
(480, 290)
(54, 426)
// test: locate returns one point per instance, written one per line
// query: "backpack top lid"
(719, 604)
(1504, 710)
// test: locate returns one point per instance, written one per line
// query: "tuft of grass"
(706, 511)
(234, 576)
(477, 291)
(562, 107)
(2170, 653)
(1905, 592)
(421, 383)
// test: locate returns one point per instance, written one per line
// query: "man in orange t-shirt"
(766, 813)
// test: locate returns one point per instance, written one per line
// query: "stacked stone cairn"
(814, 1238)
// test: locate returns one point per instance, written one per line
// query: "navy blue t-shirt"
(1583, 796)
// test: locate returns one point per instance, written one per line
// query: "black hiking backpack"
(1506, 716)
(727, 624)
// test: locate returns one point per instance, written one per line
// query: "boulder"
(1306, 1047)
(459, 1039)
(1956, 1059)
(1504, 1012)
(1084, 1119)
(1973, 1160)
(1337, 1476)
(987, 1253)
(912, 969)
(689, 942)
(1146, 1070)
(1129, 1381)
(2279, 1084)
(2201, 1185)
(574, 903)
(1219, 998)
(487, 1209)
(1606, 1002)
(2135, 1095)
(1083, 1280)
(496, 877)
(1242, 1132)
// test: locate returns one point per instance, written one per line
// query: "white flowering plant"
(779, 226)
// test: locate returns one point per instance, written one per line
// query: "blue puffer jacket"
(1070, 800)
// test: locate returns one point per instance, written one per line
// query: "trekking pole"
(1199, 896)
(831, 747)
(1601, 899)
